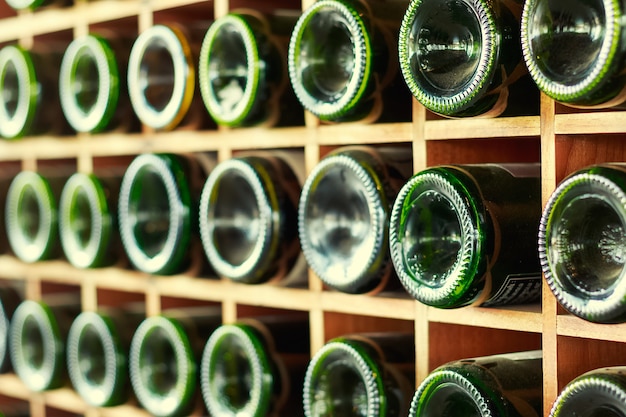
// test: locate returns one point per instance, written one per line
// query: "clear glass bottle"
(243, 72)
(37, 340)
(463, 58)
(29, 96)
(92, 84)
(88, 219)
(255, 367)
(31, 215)
(343, 216)
(97, 354)
(575, 50)
(466, 234)
(158, 211)
(367, 375)
(248, 218)
(162, 77)
(506, 385)
(10, 298)
(342, 60)
(582, 240)
(164, 354)
(597, 393)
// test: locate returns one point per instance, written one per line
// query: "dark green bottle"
(343, 216)
(164, 354)
(365, 375)
(37, 340)
(463, 58)
(243, 73)
(575, 50)
(88, 219)
(97, 354)
(248, 218)
(581, 243)
(9, 301)
(92, 84)
(255, 367)
(597, 393)
(157, 211)
(29, 96)
(466, 234)
(507, 385)
(342, 58)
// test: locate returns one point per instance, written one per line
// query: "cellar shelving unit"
(562, 140)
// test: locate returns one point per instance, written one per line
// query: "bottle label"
(517, 289)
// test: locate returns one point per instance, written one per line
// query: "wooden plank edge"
(523, 319)
(477, 128)
(572, 326)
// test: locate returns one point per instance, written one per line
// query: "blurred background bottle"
(243, 73)
(248, 218)
(37, 340)
(463, 58)
(361, 375)
(255, 367)
(165, 352)
(466, 234)
(10, 299)
(575, 51)
(499, 385)
(343, 216)
(343, 62)
(581, 243)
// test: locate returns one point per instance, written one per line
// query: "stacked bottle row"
(340, 56)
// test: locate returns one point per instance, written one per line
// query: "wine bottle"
(35, 5)
(243, 72)
(161, 77)
(31, 215)
(466, 234)
(343, 216)
(157, 211)
(248, 218)
(575, 52)
(37, 340)
(255, 367)
(463, 58)
(29, 91)
(581, 237)
(88, 219)
(9, 301)
(97, 354)
(92, 84)
(164, 354)
(599, 392)
(364, 375)
(498, 385)
(342, 59)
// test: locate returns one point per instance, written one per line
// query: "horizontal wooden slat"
(590, 123)
(569, 325)
(522, 318)
(524, 126)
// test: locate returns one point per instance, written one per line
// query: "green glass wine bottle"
(164, 354)
(10, 299)
(92, 85)
(157, 211)
(37, 340)
(248, 218)
(255, 367)
(466, 234)
(31, 215)
(243, 72)
(581, 241)
(97, 354)
(506, 385)
(342, 58)
(29, 103)
(596, 393)
(88, 219)
(369, 375)
(575, 50)
(343, 216)
(463, 58)
(162, 77)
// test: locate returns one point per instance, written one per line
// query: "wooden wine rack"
(561, 139)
